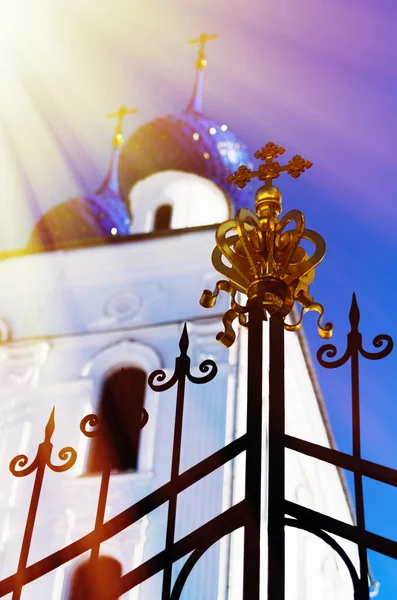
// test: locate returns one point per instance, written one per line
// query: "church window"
(120, 415)
(96, 580)
(162, 217)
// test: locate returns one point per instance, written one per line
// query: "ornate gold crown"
(261, 255)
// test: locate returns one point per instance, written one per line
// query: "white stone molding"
(119, 307)
(128, 353)
(123, 305)
(20, 362)
(5, 331)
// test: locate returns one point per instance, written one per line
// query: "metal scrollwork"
(322, 329)
(382, 341)
(182, 367)
(236, 311)
(93, 420)
(354, 343)
(158, 376)
(208, 367)
(90, 421)
(43, 457)
(18, 463)
(68, 455)
(330, 351)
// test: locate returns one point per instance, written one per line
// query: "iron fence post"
(29, 527)
(355, 343)
(182, 368)
(251, 578)
(276, 464)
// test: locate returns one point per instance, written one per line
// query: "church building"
(93, 305)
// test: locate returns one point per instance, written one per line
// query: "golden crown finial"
(122, 112)
(202, 40)
(261, 255)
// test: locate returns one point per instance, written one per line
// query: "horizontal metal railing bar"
(372, 541)
(129, 516)
(343, 460)
(221, 525)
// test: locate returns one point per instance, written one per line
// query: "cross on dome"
(196, 101)
(202, 40)
(269, 169)
(120, 114)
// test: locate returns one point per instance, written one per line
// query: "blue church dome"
(190, 142)
(82, 218)
(89, 217)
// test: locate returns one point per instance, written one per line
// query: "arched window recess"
(121, 414)
(133, 361)
(162, 218)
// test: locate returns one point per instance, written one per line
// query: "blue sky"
(316, 76)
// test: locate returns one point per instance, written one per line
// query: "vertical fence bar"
(101, 507)
(181, 372)
(355, 343)
(182, 367)
(354, 348)
(18, 468)
(93, 421)
(28, 533)
(358, 480)
(275, 517)
(251, 579)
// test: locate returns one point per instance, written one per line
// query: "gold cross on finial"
(120, 114)
(269, 169)
(202, 40)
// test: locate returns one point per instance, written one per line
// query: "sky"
(318, 77)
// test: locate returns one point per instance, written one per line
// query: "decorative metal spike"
(184, 341)
(354, 314)
(202, 40)
(50, 427)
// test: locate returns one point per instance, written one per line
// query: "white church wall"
(93, 310)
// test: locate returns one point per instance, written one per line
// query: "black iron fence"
(246, 513)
